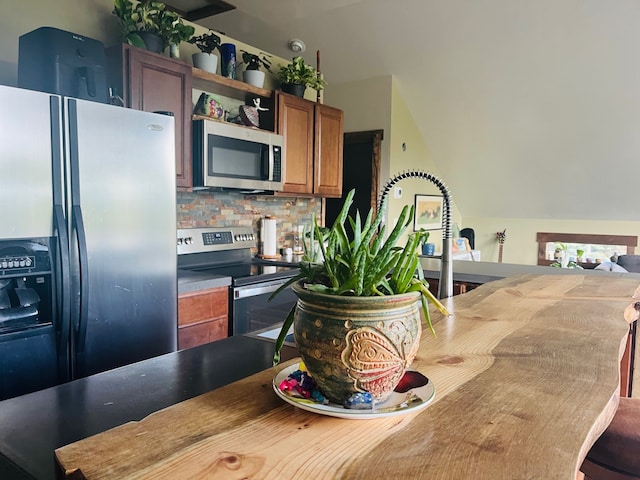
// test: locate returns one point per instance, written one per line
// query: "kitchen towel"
(269, 237)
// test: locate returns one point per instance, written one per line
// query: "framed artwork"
(428, 212)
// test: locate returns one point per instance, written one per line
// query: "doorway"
(360, 170)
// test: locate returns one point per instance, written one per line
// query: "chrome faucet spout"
(445, 286)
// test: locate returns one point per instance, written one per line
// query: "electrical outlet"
(397, 192)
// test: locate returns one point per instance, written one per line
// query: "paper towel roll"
(269, 237)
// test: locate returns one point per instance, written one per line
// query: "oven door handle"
(254, 290)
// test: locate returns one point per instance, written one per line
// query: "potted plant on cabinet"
(252, 73)
(364, 296)
(150, 25)
(207, 43)
(297, 76)
(179, 33)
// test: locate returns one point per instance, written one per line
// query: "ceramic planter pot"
(152, 41)
(205, 61)
(254, 77)
(294, 89)
(355, 344)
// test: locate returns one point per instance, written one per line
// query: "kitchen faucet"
(445, 286)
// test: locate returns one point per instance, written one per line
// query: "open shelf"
(225, 86)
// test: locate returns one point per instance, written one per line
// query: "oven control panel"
(212, 239)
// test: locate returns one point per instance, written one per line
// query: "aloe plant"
(367, 264)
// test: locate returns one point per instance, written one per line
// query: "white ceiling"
(530, 108)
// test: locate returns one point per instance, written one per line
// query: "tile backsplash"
(228, 209)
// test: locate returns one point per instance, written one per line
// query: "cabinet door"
(329, 133)
(295, 123)
(203, 317)
(158, 83)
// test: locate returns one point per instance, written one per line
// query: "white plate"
(396, 404)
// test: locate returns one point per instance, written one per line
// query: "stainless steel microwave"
(232, 156)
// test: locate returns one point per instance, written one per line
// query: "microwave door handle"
(267, 162)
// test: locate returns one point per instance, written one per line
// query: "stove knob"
(4, 264)
(10, 263)
(188, 240)
(28, 262)
(180, 241)
(22, 262)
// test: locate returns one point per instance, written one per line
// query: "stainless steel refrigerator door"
(31, 151)
(123, 231)
(26, 180)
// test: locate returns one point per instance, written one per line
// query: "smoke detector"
(296, 45)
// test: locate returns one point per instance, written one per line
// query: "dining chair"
(615, 455)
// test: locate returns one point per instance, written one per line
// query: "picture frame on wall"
(428, 212)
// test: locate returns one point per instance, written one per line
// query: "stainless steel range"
(227, 252)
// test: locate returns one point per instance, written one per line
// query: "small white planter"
(254, 77)
(205, 61)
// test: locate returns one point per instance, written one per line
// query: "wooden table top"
(526, 372)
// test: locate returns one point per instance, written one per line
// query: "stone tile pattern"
(227, 209)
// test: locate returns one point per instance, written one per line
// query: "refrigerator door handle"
(60, 234)
(81, 321)
(64, 289)
(78, 231)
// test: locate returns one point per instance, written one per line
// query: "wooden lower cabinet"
(203, 317)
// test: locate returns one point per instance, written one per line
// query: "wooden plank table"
(526, 371)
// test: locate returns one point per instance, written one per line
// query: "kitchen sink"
(271, 334)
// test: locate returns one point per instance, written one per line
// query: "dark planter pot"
(152, 41)
(294, 89)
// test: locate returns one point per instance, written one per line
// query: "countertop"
(483, 272)
(526, 372)
(34, 425)
(192, 281)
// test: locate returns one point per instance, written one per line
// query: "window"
(596, 248)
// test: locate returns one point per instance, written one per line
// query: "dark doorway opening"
(361, 170)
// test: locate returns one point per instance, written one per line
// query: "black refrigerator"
(87, 238)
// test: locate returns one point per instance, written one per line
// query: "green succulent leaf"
(368, 263)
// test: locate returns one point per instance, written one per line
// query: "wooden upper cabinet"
(329, 134)
(295, 123)
(313, 138)
(152, 82)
